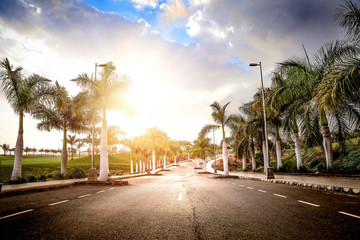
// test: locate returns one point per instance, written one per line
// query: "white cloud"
(174, 12)
(173, 84)
(145, 3)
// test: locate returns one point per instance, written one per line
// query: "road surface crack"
(196, 224)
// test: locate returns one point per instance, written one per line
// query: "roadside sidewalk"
(34, 186)
(328, 183)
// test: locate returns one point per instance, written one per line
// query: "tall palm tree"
(155, 139)
(202, 146)
(66, 114)
(23, 94)
(88, 140)
(5, 147)
(305, 78)
(107, 93)
(27, 150)
(72, 140)
(222, 119)
(112, 133)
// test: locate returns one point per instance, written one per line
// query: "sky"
(181, 55)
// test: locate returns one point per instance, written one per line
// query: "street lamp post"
(268, 170)
(92, 171)
(215, 171)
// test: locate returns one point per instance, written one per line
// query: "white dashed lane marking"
(180, 197)
(250, 188)
(111, 188)
(86, 195)
(262, 191)
(349, 214)
(101, 191)
(311, 204)
(56, 203)
(14, 214)
(278, 195)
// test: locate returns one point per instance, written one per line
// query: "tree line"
(312, 100)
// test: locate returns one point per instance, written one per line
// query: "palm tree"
(65, 115)
(27, 150)
(201, 146)
(72, 140)
(112, 133)
(155, 139)
(34, 150)
(305, 77)
(88, 140)
(222, 119)
(129, 144)
(348, 16)
(23, 95)
(5, 147)
(79, 145)
(107, 93)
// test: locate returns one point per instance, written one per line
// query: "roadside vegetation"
(312, 110)
(49, 168)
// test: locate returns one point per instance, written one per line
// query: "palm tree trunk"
(278, 147)
(153, 161)
(164, 162)
(19, 147)
(297, 150)
(243, 162)
(64, 154)
(327, 147)
(131, 167)
(175, 160)
(264, 155)
(253, 162)
(136, 167)
(205, 164)
(225, 158)
(104, 160)
(278, 153)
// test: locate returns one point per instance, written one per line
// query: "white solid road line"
(278, 195)
(14, 214)
(250, 188)
(262, 191)
(349, 214)
(180, 197)
(86, 195)
(100, 191)
(56, 203)
(311, 204)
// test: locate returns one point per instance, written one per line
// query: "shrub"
(17, 181)
(76, 173)
(352, 163)
(259, 169)
(303, 169)
(288, 165)
(31, 178)
(56, 175)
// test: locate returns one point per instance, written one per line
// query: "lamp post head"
(254, 64)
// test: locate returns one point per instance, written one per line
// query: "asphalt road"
(181, 204)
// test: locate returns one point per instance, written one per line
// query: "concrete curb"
(38, 188)
(69, 184)
(346, 190)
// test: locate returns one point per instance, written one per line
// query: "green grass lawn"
(47, 166)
